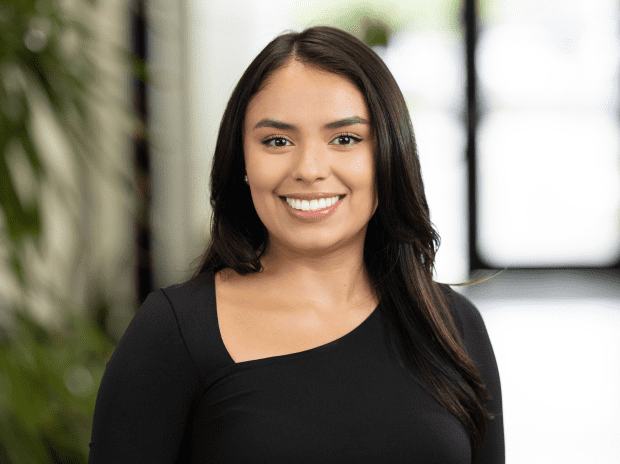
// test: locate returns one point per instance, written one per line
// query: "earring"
(246, 179)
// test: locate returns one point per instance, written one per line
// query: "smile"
(321, 209)
(313, 205)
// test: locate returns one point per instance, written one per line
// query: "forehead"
(303, 94)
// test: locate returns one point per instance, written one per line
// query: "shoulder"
(147, 390)
(162, 308)
(178, 321)
(193, 304)
(154, 318)
(152, 344)
(466, 316)
(189, 292)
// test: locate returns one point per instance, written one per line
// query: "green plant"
(48, 376)
(48, 388)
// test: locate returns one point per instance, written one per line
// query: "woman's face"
(308, 132)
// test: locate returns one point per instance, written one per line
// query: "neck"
(322, 281)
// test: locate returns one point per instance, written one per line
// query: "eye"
(280, 142)
(346, 140)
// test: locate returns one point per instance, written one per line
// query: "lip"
(312, 216)
(312, 196)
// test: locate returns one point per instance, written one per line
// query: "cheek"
(264, 175)
(263, 170)
(360, 171)
(358, 167)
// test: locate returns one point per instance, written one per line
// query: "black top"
(171, 393)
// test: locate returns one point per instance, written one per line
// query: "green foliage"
(48, 389)
(376, 34)
(29, 54)
(48, 378)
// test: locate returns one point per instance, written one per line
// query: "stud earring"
(246, 179)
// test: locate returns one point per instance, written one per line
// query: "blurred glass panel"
(429, 68)
(548, 171)
(551, 190)
(427, 61)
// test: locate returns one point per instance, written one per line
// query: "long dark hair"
(400, 244)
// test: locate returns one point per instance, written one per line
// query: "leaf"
(21, 445)
(32, 154)
(14, 213)
(21, 221)
(16, 266)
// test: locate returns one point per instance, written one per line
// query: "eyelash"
(346, 134)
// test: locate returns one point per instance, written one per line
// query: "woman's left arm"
(479, 348)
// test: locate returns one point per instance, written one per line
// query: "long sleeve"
(479, 348)
(147, 391)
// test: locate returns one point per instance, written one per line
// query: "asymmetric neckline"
(292, 356)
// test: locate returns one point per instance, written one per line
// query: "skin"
(321, 261)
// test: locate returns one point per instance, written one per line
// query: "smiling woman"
(313, 159)
(315, 294)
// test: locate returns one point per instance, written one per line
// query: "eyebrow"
(350, 121)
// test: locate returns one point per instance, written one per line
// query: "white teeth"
(313, 205)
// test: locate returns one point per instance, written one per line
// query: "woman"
(313, 330)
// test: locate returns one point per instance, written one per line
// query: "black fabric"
(171, 393)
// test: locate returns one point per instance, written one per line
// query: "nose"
(311, 163)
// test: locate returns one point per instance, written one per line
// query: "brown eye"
(347, 140)
(278, 142)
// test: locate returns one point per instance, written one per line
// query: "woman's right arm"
(147, 391)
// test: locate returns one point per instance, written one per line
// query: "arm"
(147, 391)
(479, 348)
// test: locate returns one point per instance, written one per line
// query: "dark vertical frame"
(470, 16)
(473, 113)
(141, 157)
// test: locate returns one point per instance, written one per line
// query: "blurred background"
(109, 112)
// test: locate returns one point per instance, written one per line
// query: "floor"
(556, 338)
